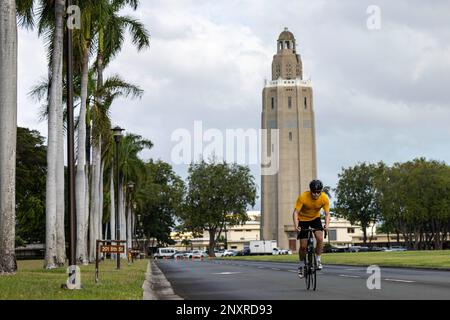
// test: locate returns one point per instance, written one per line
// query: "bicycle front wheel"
(309, 271)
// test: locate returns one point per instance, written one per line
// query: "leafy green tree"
(358, 199)
(159, 200)
(218, 194)
(425, 189)
(31, 171)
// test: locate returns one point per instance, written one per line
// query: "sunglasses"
(316, 192)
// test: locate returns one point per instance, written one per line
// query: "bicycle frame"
(310, 272)
(311, 262)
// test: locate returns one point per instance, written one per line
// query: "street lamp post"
(117, 132)
(70, 154)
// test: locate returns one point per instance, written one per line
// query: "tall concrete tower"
(288, 107)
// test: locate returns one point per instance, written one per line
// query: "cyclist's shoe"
(319, 265)
(301, 272)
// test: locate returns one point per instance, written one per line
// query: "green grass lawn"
(32, 282)
(415, 259)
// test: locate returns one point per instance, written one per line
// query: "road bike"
(311, 262)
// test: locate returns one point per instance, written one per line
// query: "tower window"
(290, 136)
(288, 46)
(290, 102)
(306, 103)
(273, 103)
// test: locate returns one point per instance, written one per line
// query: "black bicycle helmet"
(316, 185)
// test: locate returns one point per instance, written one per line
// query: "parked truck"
(262, 246)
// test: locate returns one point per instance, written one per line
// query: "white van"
(164, 252)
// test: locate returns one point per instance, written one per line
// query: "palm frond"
(25, 13)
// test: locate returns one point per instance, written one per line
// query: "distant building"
(288, 107)
(237, 237)
(341, 234)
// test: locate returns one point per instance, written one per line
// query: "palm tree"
(8, 128)
(132, 169)
(109, 44)
(51, 26)
(55, 244)
(113, 88)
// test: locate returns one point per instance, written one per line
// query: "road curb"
(156, 286)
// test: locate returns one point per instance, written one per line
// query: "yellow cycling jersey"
(308, 208)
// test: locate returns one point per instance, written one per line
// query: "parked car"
(244, 252)
(277, 251)
(397, 248)
(229, 253)
(196, 254)
(358, 249)
(218, 253)
(164, 253)
(180, 254)
(376, 249)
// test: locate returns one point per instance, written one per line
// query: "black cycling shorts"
(304, 225)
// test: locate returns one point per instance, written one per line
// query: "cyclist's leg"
(302, 250)
(303, 237)
(317, 224)
(319, 244)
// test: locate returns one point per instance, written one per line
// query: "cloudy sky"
(379, 94)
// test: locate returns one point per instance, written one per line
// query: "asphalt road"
(244, 280)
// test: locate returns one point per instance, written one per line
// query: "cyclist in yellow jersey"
(307, 214)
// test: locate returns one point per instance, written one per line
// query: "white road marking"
(354, 269)
(347, 276)
(398, 280)
(227, 273)
(276, 269)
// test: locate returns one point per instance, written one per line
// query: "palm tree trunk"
(96, 216)
(94, 205)
(129, 224)
(60, 205)
(8, 132)
(122, 219)
(58, 81)
(86, 216)
(100, 191)
(81, 174)
(51, 251)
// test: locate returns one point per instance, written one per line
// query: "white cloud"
(379, 95)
